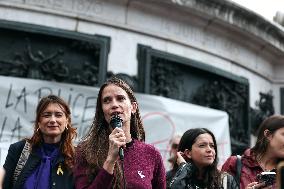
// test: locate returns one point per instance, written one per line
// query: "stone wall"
(217, 33)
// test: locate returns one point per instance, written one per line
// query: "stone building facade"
(212, 53)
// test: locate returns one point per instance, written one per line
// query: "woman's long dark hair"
(272, 124)
(212, 176)
(95, 144)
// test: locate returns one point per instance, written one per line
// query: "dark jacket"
(183, 179)
(60, 181)
(169, 177)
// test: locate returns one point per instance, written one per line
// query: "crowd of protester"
(113, 154)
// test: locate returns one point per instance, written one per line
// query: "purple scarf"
(40, 177)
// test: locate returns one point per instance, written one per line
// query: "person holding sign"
(261, 160)
(197, 163)
(113, 153)
(46, 159)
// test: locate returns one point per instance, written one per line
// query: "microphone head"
(116, 121)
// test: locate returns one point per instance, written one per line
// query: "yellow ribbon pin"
(59, 170)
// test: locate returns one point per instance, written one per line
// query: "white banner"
(162, 117)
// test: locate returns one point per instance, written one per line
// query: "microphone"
(116, 121)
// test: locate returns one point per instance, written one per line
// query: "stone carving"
(90, 76)
(40, 63)
(165, 80)
(91, 71)
(46, 66)
(19, 67)
(264, 108)
(279, 18)
(178, 78)
(36, 64)
(232, 98)
(84, 7)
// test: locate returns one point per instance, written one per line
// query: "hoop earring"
(37, 129)
(66, 127)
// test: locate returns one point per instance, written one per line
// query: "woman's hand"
(180, 158)
(256, 185)
(117, 139)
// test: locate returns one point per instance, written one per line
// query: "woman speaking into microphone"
(113, 153)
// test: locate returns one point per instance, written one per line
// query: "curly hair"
(212, 176)
(66, 145)
(95, 144)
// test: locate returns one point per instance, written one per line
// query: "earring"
(66, 127)
(37, 129)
